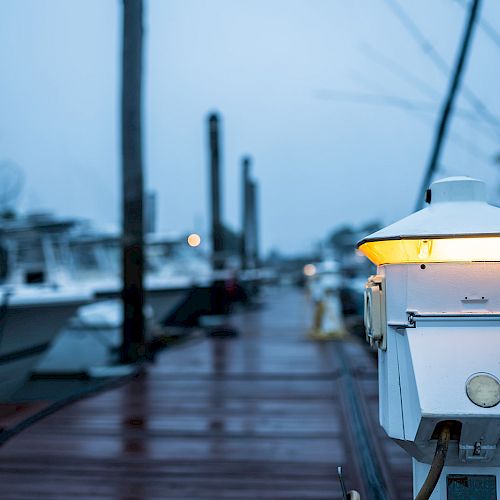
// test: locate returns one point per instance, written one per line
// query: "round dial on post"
(483, 389)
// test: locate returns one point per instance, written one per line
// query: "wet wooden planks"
(254, 417)
(13, 414)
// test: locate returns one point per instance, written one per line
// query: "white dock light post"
(433, 311)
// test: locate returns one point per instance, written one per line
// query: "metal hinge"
(413, 316)
(375, 314)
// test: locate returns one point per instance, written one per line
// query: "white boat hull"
(26, 332)
(161, 299)
(94, 339)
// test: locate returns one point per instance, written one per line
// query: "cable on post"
(437, 463)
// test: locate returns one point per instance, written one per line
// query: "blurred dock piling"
(133, 342)
(217, 231)
(254, 221)
(245, 211)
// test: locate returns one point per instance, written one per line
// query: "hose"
(437, 463)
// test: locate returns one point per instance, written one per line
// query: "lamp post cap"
(457, 189)
(450, 213)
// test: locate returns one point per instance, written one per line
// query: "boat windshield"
(30, 260)
(85, 257)
(159, 254)
(96, 257)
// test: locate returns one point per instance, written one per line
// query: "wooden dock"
(265, 415)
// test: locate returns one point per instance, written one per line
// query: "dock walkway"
(261, 416)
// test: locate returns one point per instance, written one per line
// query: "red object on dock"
(13, 414)
(258, 416)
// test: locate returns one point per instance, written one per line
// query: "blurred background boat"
(29, 320)
(37, 299)
(46, 258)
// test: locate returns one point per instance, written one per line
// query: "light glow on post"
(194, 240)
(309, 270)
(458, 249)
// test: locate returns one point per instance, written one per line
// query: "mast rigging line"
(401, 72)
(449, 101)
(487, 27)
(398, 70)
(430, 51)
(416, 108)
(387, 100)
(453, 135)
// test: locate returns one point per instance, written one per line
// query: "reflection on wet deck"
(259, 416)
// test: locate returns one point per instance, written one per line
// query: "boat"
(47, 253)
(172, 269)
(30, 319)
(35, 302)
(93, 336)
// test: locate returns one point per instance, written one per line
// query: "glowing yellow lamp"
(457, 226)
(194, 240)
(309, 270)
(459, 249)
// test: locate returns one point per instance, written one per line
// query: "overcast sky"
(265, 65)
